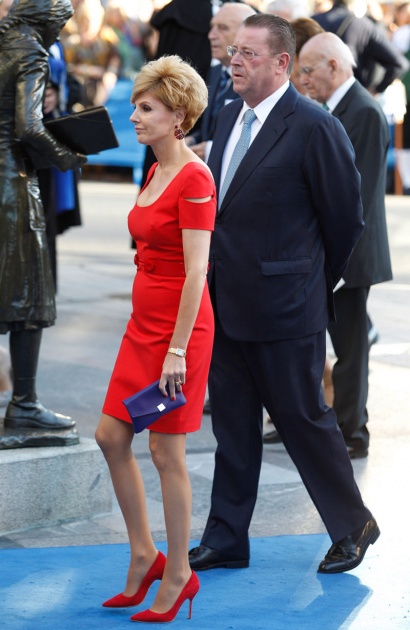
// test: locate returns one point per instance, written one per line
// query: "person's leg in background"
(351, 371)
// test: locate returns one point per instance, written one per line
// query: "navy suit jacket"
(366, 125)
(288, 222)
(208, 121)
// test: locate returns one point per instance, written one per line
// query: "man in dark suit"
(224, 25)
(379, 63)
(327, 73)
(287, 223)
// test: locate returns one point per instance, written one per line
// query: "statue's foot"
(32, 415)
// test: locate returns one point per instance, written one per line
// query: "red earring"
(178, 133)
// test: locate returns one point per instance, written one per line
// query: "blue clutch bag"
(149, 405)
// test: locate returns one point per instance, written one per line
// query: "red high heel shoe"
(188, 592)
(155, 573)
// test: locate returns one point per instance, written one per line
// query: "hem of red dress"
(151, 427)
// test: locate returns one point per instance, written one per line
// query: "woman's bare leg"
(114, 437)
(168, 454)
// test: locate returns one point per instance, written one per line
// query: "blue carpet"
(62, 589)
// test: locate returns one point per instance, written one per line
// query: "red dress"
(157, 231)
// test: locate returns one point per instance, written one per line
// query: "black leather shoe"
(207, 407)
(202, 558)
(349, 552)
(272, 437)
(32, 415)
(357, 453)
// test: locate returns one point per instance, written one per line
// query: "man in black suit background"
(327, 65)
(289, 216)
(224, 25)
(378, 62)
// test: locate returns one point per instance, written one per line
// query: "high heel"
(188, 592)
(154, 573)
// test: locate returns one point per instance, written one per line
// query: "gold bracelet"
(178, 351)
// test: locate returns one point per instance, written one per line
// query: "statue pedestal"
(46, 485)
(24, 438)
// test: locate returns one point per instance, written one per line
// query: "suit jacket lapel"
(272, 129)
(227, 121)
(343, 106)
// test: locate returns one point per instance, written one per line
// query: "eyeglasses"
(248, 55)
(308, 71)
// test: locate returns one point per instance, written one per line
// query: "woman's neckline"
(167, 186)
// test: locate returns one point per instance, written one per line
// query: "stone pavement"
(95, 276)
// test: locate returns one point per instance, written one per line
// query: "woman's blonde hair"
(176, 84)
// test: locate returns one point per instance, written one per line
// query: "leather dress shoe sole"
(272, 437)
(348, 553)
(203, 558)
(31, 423)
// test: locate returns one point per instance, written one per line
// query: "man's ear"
(333, 65)
(283, 61)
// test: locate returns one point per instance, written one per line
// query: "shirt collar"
(227, 69)
(264, 108)
(338, 94)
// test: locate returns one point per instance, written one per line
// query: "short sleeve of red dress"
(197, 183)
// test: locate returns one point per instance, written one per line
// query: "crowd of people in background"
(112, 39)
(108, 40)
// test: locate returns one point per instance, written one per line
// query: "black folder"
(89, 131)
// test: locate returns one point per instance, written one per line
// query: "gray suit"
(366, 126)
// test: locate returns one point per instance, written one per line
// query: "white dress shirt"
(338, 94)
(262, 111)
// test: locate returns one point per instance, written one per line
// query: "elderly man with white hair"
(326, 65)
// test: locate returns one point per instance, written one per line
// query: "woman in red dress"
(169, 335)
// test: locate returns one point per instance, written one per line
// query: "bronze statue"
(27, 301)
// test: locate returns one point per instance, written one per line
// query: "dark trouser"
(351, 371)
(284, 376)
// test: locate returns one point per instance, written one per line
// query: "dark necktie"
(223, 86)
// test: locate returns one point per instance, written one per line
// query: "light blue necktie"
(238, 152)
